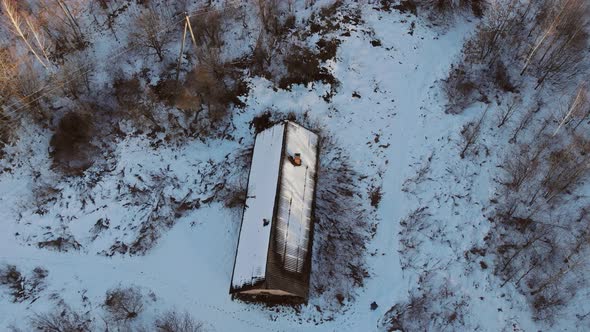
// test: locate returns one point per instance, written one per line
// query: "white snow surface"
(250, 265)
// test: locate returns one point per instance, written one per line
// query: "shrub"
(461, 90)
(431, 306)
(124, 304)
(137, 105)
(328, 48)
(128, 92)
(262, 121)
(212, 87)
(438, 10)
(64, 320)
(235, 196)
(22, 288)
(208, 84)
(502, 77)
(303, 67)
(71, 142)
(61, 243)
(208, 28)
(173, 321)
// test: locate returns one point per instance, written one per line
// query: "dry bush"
(264, 54)
(71, 143)
(411, 238)
(441, 11)
(166, 91)
(137, 104)
(63, 243)
(8, 71)
(267, 52)
(209, 27)
(22, 288)
(26, 97)
(502, 79)
(328, 48)
(61, 320)
(128, 92)
(304, 67)
(173, 321)
(461, 89)
(329, 18)
(434, 305)
(262, 121)
(234, 196)
(286, 62)
(74, 75)
(209, 92)
(208, 84)
(275, 17)
(123, 304)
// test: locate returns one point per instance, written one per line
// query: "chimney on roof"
(297, 159)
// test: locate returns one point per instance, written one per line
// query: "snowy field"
(388, 114)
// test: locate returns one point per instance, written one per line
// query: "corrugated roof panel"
(296, 198)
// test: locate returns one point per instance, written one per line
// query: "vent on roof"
(296, 159)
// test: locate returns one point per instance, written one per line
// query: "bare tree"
(499, 21)
(72, 21)
(74, 74)
(561, 45)
(525, 120)
(579, 107)
(8, 71)
(471, 132)
(520, 166)
(151, 31)
(510, 109)
(19, 23)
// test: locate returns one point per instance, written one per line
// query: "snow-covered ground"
(388, 113)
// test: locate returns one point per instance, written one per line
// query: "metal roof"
(286, 243)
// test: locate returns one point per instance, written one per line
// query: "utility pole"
(190, 28)
(187, 25)
(181, 51)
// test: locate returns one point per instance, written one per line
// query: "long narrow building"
(273, 257)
